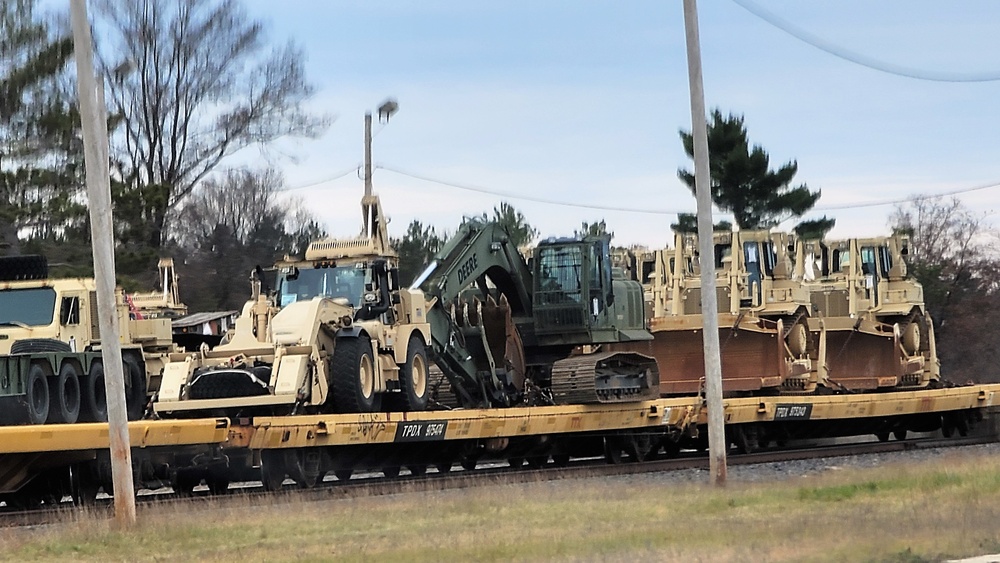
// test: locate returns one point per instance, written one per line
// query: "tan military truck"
(49, 344)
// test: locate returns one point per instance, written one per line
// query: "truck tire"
(94, 403)
(135, 388)
(413, 377)
(64, 402)
(37, 345)
(36, 388)
(352, 376)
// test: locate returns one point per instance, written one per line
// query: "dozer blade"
(611, 377)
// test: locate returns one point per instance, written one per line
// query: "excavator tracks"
(610, 377)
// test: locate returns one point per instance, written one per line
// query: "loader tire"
(94, 402)
(413, 380)
(352, 377)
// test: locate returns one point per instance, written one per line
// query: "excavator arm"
(477, 284)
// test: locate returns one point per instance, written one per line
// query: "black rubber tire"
(39, 345)
(94, 402)
(414, 392)
(36, 388)
(350, 356)
(27, 267)
(135, 388)
(64, 395)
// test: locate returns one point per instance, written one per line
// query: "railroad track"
(373, 484)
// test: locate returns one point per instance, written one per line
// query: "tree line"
(188, 84)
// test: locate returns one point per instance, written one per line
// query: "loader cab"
(345, 282)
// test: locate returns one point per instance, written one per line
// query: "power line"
(904, 200)
(650, 211)
(330, 179)
(857, 58)
(531, 198)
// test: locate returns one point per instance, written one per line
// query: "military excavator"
(505, 333)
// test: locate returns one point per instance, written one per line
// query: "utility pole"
(95, 144)
(709, 307)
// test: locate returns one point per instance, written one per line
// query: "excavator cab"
(576, 299)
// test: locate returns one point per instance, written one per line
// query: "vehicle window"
(559, 275)
(69, 311)
(32, 307)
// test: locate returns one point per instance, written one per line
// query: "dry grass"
(946, 508)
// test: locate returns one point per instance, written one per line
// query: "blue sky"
(581, 101)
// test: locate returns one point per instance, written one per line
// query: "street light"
(374, 224)
(388, 107)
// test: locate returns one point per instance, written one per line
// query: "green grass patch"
(926, 512)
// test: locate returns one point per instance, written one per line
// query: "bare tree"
(191, 82)
(951, 254)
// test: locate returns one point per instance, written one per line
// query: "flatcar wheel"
(467, 464)
(272, 470)
(445, 466)
(899, 434)
(84, 489)
(184, 483)
(217, 484)
(671, 448)
(537, 461)
(302, 466)
(560, 460)
(882, 436)
(343, 474)
(515, 462)
(612, 450)
(391, 472)
(637, 446)
(417, 470)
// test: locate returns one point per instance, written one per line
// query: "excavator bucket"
(491, 337)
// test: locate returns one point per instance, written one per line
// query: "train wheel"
(467, 464)
(638, 446)
(515, 462)
(899, 434)
(184, 483)
(882, 436)
(537, 461)
(353, 376)
(413, 377)
(445, 467)
(64, 404)
(417, 470)
(217, 484)
(391, 472)
(302, 466)
(746, 437)
(37, 390)
(272, 470)
(560, 460)
(343, 474)
(612, 450)
(94, 402)
(671, 448)
(83, 486)
(135, 390)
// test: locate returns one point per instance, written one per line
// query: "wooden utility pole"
(709, 307)
(95, 144)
